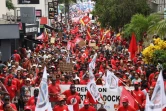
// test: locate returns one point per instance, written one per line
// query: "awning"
(51, 28)
(33, 40)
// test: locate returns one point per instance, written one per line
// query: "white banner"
(111, 98)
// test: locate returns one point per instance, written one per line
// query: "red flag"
(127, 94)
(85, 20)
(77, 40)
(133, 46)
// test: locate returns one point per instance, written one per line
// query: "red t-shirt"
(164, 109)
(151, 77)
(139, 96)
(12, 91)
(67, 93)
(89, 109)
(13, 106)
(31, 101)
(129, 108)
(61, 108)
(17, 57)
(54, 89)
(91, 100)
(75, 101)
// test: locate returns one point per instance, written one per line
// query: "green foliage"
(140, 24)
(9, 4)
(160, 55)
(159, 28)
(117, 13)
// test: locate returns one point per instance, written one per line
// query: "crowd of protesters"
(24, 70)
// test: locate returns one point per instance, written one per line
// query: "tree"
(67, 3)
(117, 13)
(159, 29)
(9, 5)
(140, 24)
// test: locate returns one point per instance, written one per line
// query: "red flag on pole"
(133, 46)
(127, 94)
(85, 20)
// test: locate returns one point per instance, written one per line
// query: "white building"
(158, 5)
(38, 4)
(3, 7)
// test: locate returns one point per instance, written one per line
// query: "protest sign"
(66, 67)
(111, 98)
(52, 40)
(81, 43)
(92, 44)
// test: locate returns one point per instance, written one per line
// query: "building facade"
(157, 5)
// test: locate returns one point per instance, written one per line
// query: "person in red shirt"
(16, 56)
(7, 107)
(126, 106)
(87, 107)
(66, 82)
(85, 80)
(32, 100)
(74, 100)
(61, 106)
(71, 91)
(54, 91)
(11, 89)
(138, 95)
(7, 102)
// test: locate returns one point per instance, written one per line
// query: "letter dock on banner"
(110, 97)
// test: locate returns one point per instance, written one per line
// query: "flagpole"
(4, 87)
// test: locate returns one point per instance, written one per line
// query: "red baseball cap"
(86, 102)
(27, 108)
(125, 99)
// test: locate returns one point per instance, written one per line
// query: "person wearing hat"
(61, 106)
(138, 95)
(9, 104)
(126, 106)
(25, 92)
(54, 90)
(87, 106)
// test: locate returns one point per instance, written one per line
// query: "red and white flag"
(85, 20)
